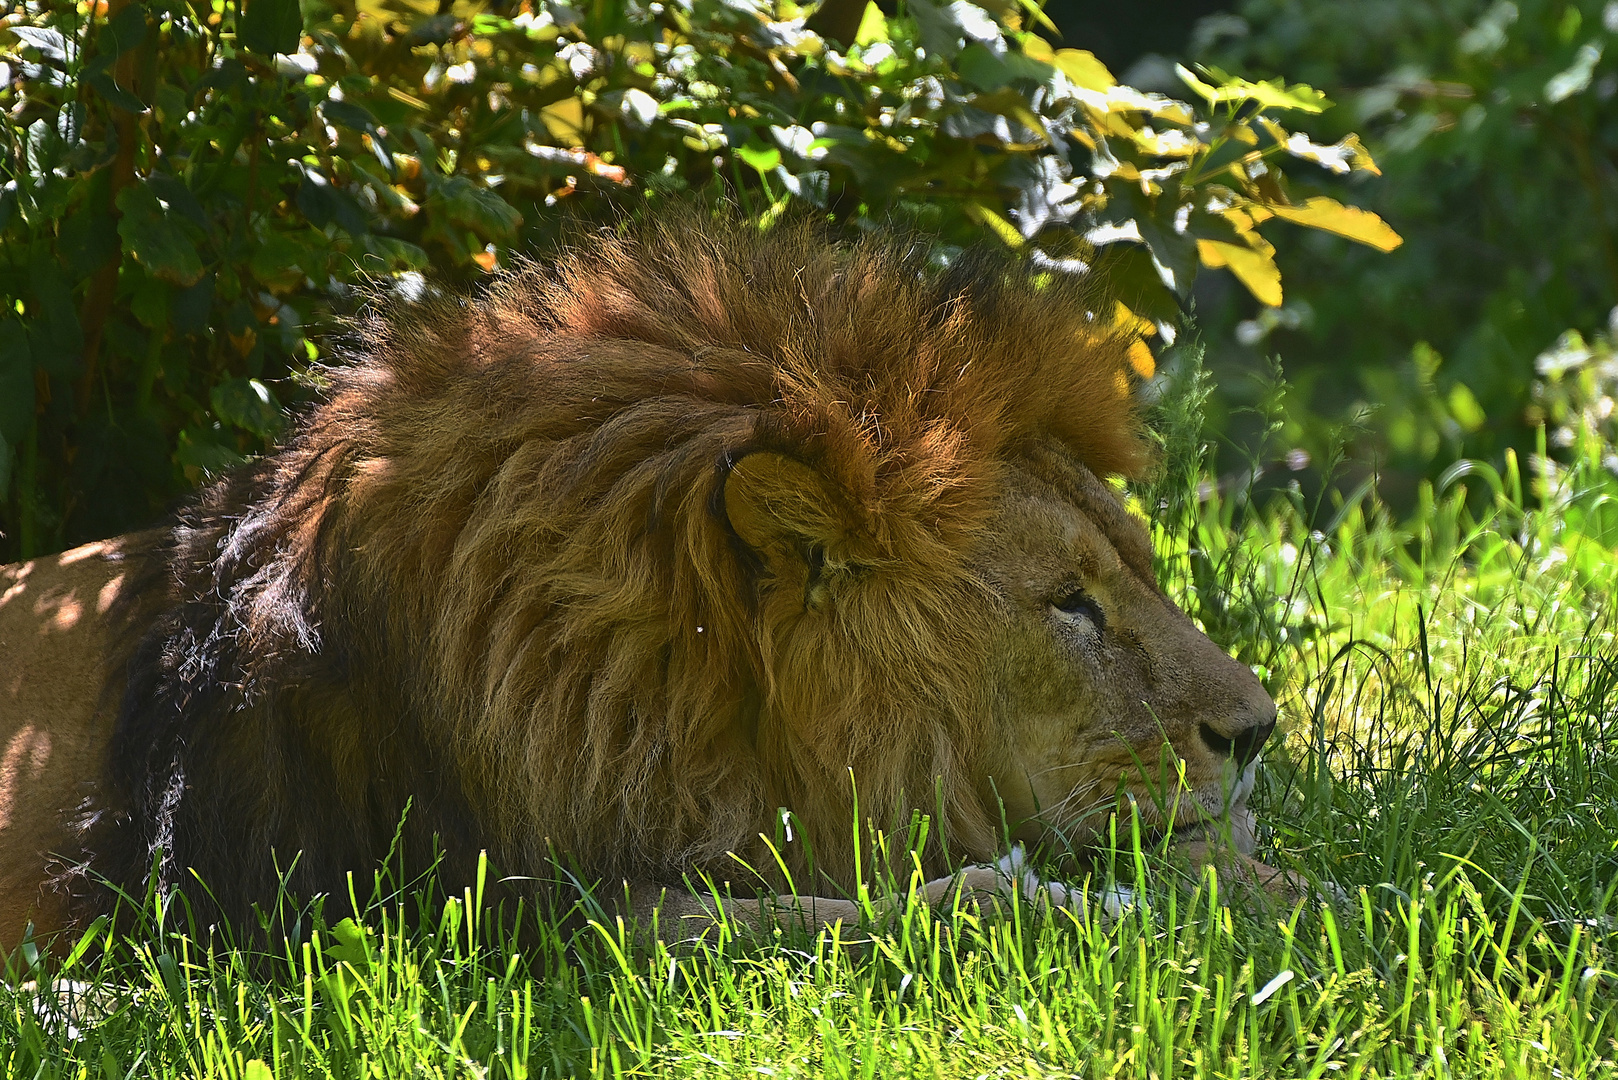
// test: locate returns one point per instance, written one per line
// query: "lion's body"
(620, 561)
(57, 638)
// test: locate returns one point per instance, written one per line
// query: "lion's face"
(1044, 676)
(1100, 685)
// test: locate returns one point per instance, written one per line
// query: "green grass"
(1448, 687)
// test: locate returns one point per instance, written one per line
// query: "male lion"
(612, 565)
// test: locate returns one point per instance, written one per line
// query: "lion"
(691, 533)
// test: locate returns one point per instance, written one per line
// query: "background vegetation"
(191, 191)
(1496, 128)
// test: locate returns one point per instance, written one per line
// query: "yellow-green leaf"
(1269, 93)
(1464, 407)
(1085, 70)
(1035, 9)
(1254, 269)
(995, 223)
(873, 26)
(1329, 215)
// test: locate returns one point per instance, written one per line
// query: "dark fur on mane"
(489, 575)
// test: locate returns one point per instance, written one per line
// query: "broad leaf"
(1255, 269)
(1332, 216)
(155, 239)
(249, 405)
(270, 26)
(1085, 70)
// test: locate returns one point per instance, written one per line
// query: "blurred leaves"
(1495, 125)
(191, 186)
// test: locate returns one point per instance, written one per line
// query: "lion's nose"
(1243, 746)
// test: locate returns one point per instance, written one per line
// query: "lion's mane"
(491, 574)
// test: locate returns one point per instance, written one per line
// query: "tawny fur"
(613, 563)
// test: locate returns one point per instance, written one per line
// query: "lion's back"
(57, 639)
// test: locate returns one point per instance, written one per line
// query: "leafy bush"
(1496, 126)
(191, 190)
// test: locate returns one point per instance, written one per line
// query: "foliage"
(190, 192)
(1497, 129)
(1448, 685)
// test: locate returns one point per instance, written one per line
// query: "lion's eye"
(1078, 604)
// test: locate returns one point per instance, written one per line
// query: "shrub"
(193, 186)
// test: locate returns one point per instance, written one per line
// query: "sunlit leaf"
(1329, 215)
(995, 223)
(1575, 79)
(1464, 407)
(1009, 103)
(1269, 94)
(1345, 155)
(1140, 358)
(873, 26)
(565, 120)
(1084, 69)
(1254, 269)
(760, 157)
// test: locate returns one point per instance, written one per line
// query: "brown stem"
(98, 299)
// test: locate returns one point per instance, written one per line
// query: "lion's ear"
(789, 512)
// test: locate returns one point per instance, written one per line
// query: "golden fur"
(690, 526)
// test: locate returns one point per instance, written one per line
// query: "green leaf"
(179, 197)
(1464, 407)
(204, 451)
(155, 238)
(760, 157)
(115, 94)
(278, 262)
(149, 302)
(16, 382)
(981, 68)
(55, 336)
(1269, 94)
(394, 254)
(122, 32)
(944, 26)
(189, 307)
(86, 239)
(249, 405)
(479, 209)
(354, 944)
(270, 26)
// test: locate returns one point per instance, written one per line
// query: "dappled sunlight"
(59, 611)
(26, 755)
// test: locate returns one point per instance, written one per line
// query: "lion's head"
(690, 526)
